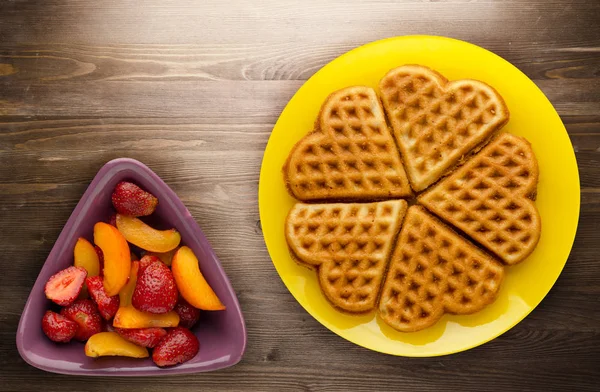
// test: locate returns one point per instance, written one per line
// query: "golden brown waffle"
(434, 270)
(349, 244)
(435, 122)
(351, 155)
(490, 198)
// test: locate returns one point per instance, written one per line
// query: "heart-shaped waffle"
(434, 270)
(351, 155)
(491, 196)
(349, 244)
(435, 122)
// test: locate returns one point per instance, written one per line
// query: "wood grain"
(193, 89)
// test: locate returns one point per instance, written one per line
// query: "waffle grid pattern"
(489, 198)
(432, 271)
(350, 244)
(351, 155)
(435, 122)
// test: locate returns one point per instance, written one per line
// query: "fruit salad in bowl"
(140, 291)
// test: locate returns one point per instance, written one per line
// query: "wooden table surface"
(193, 89)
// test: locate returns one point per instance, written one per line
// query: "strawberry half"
(130, 199)
(146, 261)
(107, 306)
(145, 337)
(179, 346)
(64, 286)
(155, 291)
(188, 315)
(58, 328)
(85, 314)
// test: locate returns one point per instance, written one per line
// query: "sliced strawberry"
(145, 337)
(58, 328)
(155, 291)
(146, 261)
(130, 199)
(85, 314)
(64, 286)
(178, 346)
(100, 259)
(188, 315)
(107, 306)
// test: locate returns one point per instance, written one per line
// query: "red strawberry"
(112, 219)
(58, 328)
(85, 314)
(64, 286)
(107, 306)
(146, 261)
(180, 345)
(130, 199)
(100, 259)
(188, 315)
(145, 337)
(155, 291)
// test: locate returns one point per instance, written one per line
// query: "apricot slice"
(86, 257)
(146, 237)
(127, 291)
(191, 283)
(112, 344)
(117, 258)
(129, 317)
(166, 257)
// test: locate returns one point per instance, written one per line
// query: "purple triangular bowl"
(222, 334)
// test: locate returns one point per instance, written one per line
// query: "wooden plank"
(233, 99)
(271, 21)
(228, 99)
(252, 61)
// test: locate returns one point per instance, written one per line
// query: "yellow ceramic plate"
(531, 115)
